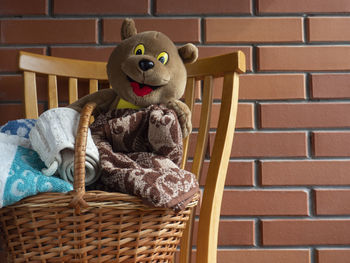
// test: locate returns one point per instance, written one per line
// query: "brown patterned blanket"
(140, 153)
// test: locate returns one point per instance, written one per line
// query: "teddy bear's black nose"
(146, 64)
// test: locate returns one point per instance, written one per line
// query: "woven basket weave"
(92, 226)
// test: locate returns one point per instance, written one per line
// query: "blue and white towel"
(20, 127)
(52, 137)
(20, 171)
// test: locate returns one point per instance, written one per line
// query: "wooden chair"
(201, 72)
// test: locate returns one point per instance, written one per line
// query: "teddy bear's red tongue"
(140, 91)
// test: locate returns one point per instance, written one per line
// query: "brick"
(268, 144)
(232, 233)
(209, 51)
(333, 255)
(303, 172)
(3, 255)
(238, 173)
(110, 7)
(257, 255)
(217, 83)
(197, 91)
(236, 233)
(331, 144)
(19, 7)
(330, 86)
(11, 88)
(85, 53)
(245, 115)
(190, 28)
(328, 29)
(267, 87)
(13, 112)
(332, 202)
(264, 255)
(264, 202)
(267, 30)
(192, 143)
(304, 58)
(9, 57)
(203, 7)
(272, 86)
(304, 115)
(49, 31)
(305, 232)
(301, 6)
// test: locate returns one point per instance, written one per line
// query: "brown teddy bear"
(140, 122)
(144, 69)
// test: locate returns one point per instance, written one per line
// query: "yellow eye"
(139, 49)
(163, 57)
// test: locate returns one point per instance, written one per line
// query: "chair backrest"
(53, 67)
(199, 88)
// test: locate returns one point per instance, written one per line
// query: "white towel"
(53, 138)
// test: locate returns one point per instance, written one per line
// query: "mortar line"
(306, 29)
(152, 8)
(202, 33)
(254, 7)
(99, 31)
(50, 11)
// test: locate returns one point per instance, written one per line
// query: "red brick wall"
(287, 196)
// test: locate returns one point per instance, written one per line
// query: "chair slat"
(201, 146)
(52, 92)
(73, 90)
(215, 182)
(30, 95)
(189, 100)
(202, 139)
(186, 240)
(93, 85)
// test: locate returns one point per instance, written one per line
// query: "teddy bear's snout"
(146, 64)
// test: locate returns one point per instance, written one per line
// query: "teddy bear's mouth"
(141, 89)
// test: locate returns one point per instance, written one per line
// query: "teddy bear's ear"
(128, 28)
(188, 53)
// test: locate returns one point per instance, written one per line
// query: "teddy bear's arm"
(183, 114)
(105, 99)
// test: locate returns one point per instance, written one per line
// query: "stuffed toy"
(140, 123)
(144, 69)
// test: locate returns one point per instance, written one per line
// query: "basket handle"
(79, 157)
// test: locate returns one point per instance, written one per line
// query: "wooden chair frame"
(228, 66)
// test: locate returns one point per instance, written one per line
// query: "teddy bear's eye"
(139, 49)
(163, 57)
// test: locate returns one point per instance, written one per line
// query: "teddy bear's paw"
(183, 114)
(186, 127)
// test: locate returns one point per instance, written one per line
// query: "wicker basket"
(92, 226)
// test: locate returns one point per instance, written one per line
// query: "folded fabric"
(53, 138)
(19, 127)
(66, 169)
(140, 152)
(20, 174)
